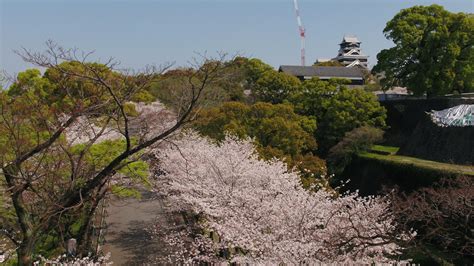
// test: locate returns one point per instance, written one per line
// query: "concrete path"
(127, 237)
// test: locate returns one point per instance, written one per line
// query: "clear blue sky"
(140, 32)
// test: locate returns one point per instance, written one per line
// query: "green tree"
(275, 87)
(63, 91)
(433, 52)
(253, 69)
(337, 109)
(31, 80)
(244, 73)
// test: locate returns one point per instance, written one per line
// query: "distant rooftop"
(350, 38)
(323, 71)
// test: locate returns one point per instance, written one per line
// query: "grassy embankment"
(388, 154)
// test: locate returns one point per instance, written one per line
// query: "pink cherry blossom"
(261, 207)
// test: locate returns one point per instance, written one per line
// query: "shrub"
(355, 141)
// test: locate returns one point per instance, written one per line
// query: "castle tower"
(350, 54)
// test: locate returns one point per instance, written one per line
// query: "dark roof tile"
(323, 71)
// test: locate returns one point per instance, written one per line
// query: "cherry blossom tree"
(260, 208)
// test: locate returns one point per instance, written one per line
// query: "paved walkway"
(127, 237)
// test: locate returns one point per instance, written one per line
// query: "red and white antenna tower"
(301, 30)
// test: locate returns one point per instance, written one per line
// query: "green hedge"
(370, 175)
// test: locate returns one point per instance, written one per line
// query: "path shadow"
(137, 244)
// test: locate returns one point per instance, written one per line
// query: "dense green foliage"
(275, 87)
(337, 109)
(433, 52)
(31, 112)
(63, 92)
(249, 70)
(31, 80)
(273, 126)
(265, 83)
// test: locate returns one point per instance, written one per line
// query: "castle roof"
(350, 39)
(323, 71)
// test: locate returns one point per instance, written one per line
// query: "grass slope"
(387, 153)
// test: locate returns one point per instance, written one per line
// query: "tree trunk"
(27, 245)
(25, 252)
(85, 234)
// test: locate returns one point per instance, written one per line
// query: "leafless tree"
(442, 215)
(46, 179)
